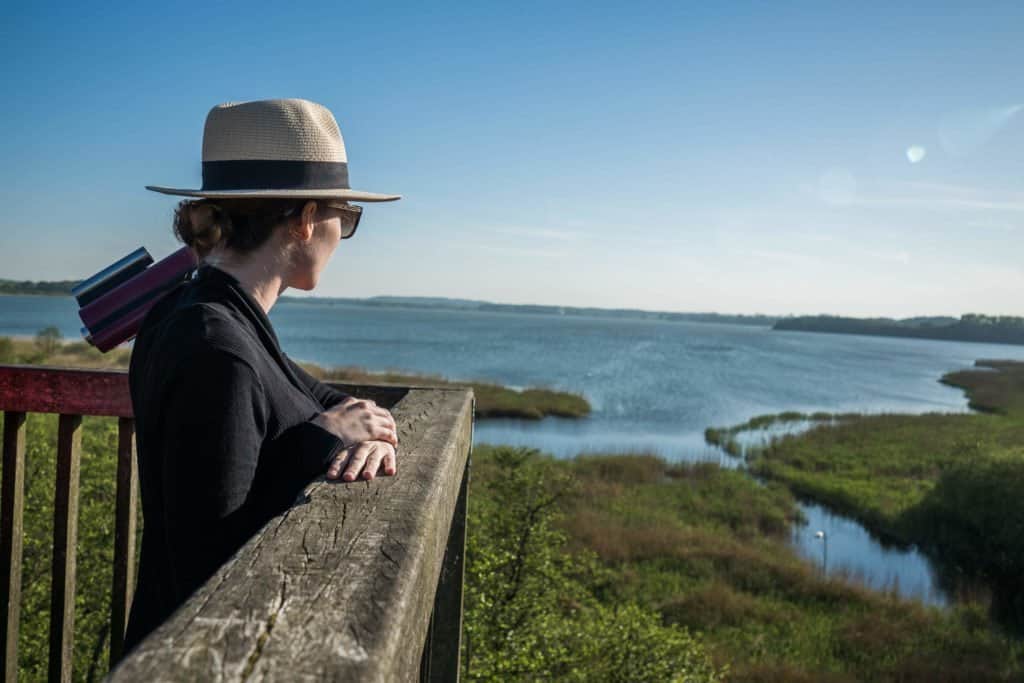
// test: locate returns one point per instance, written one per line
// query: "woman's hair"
(242, 225)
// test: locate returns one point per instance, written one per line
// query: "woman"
(229, 429)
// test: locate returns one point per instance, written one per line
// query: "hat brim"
(352, 195)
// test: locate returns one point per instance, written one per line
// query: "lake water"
(654, 386)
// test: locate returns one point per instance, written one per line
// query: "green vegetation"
(1000, 391)
(704, 549)
(55, 288)
(48, 340)
(971, 327)
(536, 611)
(725, 437)
(95, 554)
(603, 568)
(623, 567)
(492, 400)
(471, 305)
(950, 483)
(48, 348)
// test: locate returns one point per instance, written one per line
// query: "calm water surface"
(654, 386)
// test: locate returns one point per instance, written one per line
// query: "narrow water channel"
(847, 549)
(851, 549)
(842, 546)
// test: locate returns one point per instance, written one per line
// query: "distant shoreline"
(478, 306)
(975, 328)
(50, 295)
(967, 328)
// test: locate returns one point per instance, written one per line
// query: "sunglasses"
(352, 213)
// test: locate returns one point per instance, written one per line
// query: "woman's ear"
(306, 222)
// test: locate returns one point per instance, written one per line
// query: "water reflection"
(854, 553)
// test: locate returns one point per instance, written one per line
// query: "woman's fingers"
(390, 462)
(384, 431)
(334, 469)
(375, 458)
(365, 459)
(355, 463)
(384, 413)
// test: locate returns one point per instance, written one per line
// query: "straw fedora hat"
(274, 148)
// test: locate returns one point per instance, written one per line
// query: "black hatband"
(267, 174)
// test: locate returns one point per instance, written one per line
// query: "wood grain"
(339, 587)
(124, 536)
(444, 640)
(12, 506)
(65, 545)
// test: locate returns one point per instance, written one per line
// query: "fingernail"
(367, 475)
(348, 476)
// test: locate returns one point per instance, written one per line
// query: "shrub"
(6, 350)
(48, 340)
(532, 608)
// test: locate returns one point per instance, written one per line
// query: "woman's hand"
(357, 420)
(367, 458)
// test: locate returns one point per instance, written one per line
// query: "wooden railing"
(71, 394)
(359, 581)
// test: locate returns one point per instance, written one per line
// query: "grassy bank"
(492, 400)
(707, 550)
(950, 483)
(727, 439)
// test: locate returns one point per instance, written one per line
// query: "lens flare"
(915, 153)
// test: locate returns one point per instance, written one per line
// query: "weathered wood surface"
(38, 389)
(12, 506)
(65, 546)
(341, 586)
(441, 652)
(124, 536)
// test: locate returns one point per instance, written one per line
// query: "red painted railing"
(71, 394)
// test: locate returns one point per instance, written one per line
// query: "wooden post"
(65, 536)
(124, 539)
(440, 663)
(11, 511)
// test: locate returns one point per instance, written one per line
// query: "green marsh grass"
(952, 484)
(707, 549)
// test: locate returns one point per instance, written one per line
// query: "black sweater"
(223, 433)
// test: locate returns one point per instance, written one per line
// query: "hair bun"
(201, 224)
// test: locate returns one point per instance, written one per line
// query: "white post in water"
(824, 551)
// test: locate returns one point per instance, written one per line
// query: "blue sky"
(740, 157)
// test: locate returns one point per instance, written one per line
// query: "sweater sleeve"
(222, 477)
(328, 396)
(215, 420)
